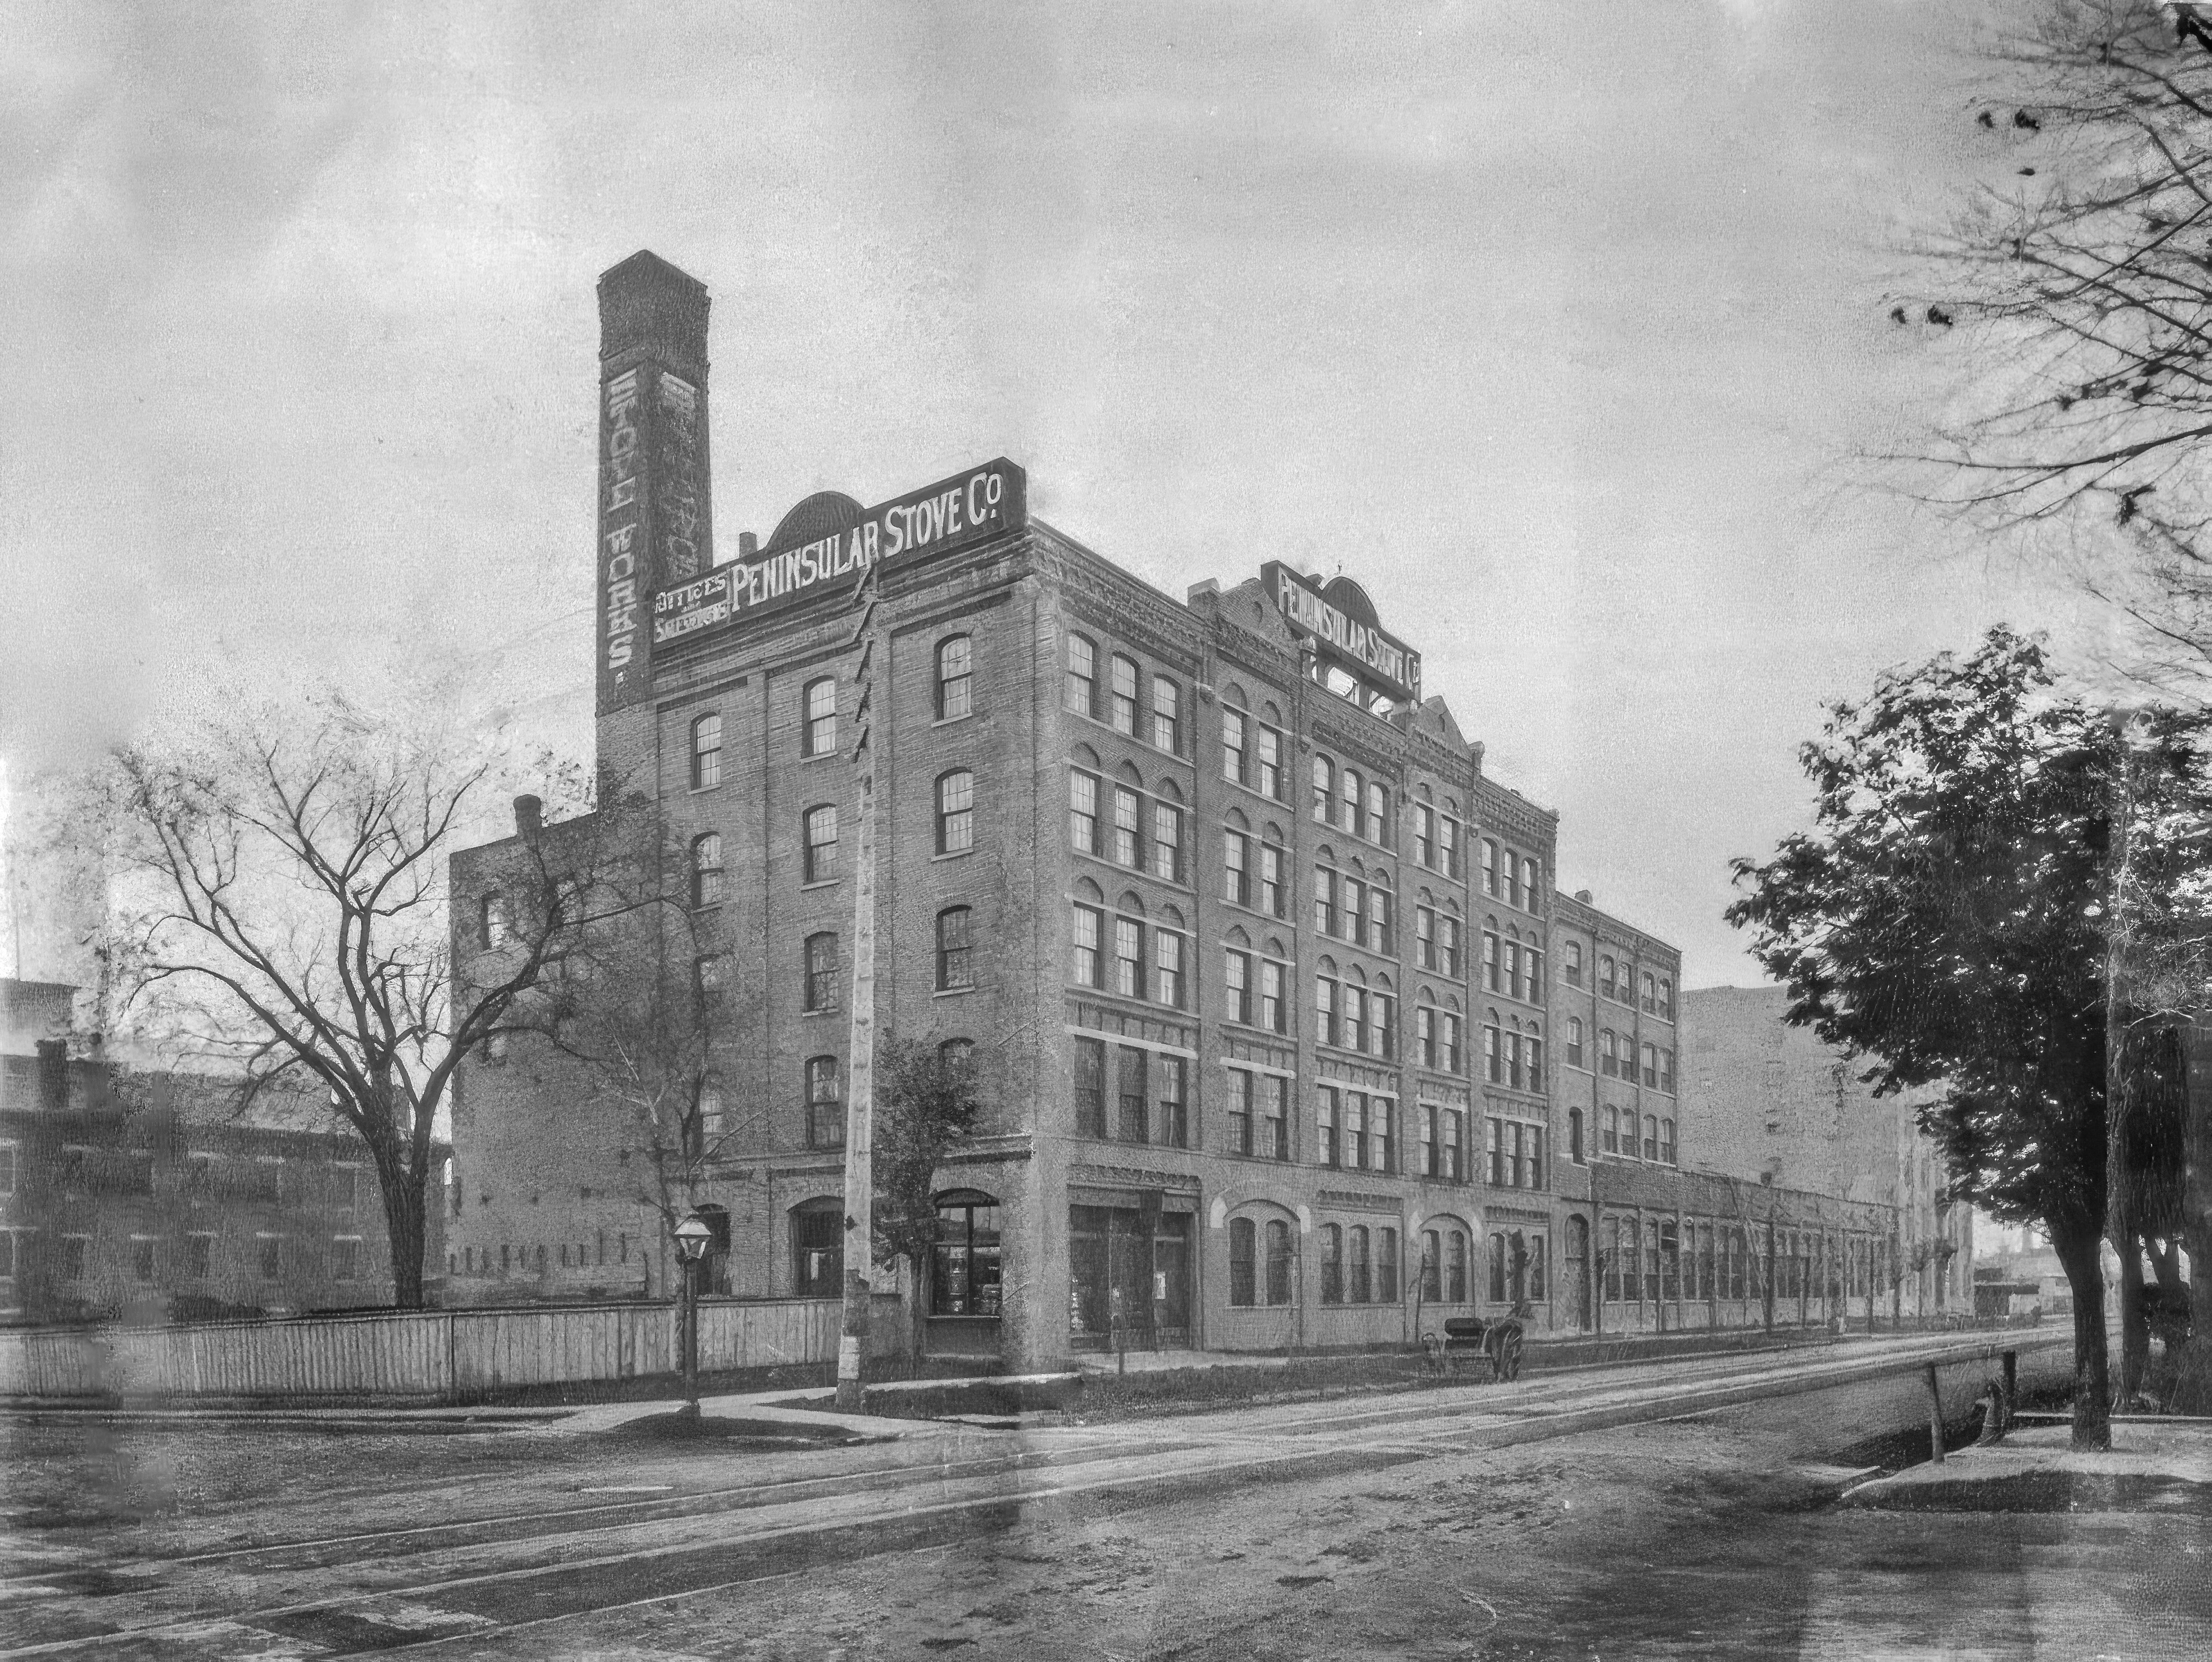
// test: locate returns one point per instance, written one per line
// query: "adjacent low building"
(149, 1194)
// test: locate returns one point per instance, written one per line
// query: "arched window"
(1361, 1286)
(965, 1277)
(1651, 996)
(817, 1248)
(1532, 1047)
(1608, 1052)
(1574, 963)
(1651, 1262)
(821, 990)
(1385, 1266)
(953, 966)
(1574, 1042)
(1433, 1268)
(1378, 812)
(825, 1104)
(959, 1054)
(956, 811)
(1613, 1131)
(1324, 791)
(713, 1125)
(1530, 889)
(1666, 999)
(1455, 1288)
(818, 737)
(1605, 976)
(705, 752)
(1332, 1263)
(1667, 1142)
(821, 843)
(1083, 676)
(1511, 874)
(1278, 1262)
(1243, 1263)
(1124, 695)
(1489, 866)
(707, 869)
(1167, 715)
(955, 665)
(1351, 798)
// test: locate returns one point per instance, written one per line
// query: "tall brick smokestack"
(654, 527)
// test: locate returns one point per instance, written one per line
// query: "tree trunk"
(2193, 1375)
(401, 1193)
(2077, 1251)
(917, 1338)
(2135, 1313)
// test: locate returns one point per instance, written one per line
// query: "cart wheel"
(1509, 1358)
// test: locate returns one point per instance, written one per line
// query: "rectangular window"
(1424, 1035)
(1386, 1265)
(1167, 715)
(1497, 1147)
(76, 1253)
(1355, 1017)
(826, 1108)
(1082, 812)
(821, 863)
(1380, 938)
(7, 1168)
(1352, 897)
(1273, 899)
(1090, 1088)
(1449, 940)
(1325, 1149)
(1452, 1062)
(1236, 881)
(1424, 937)
(1243, 1264)
(1167, 843)
(1167, 968)
(1324, 1010)
(1275, 1117)
(954, 950)
(1489, 960)
(1128, 823)
(820, 717)
(1174, 1127)
(1081, 677)
(1456, 1144)
(1088, 922)
(1352, 1130)
(1128, 957)
(1382, 1009)
(1233, 759)
(1271, 764)
(1124, 706)
(1273, 1006)
(1425, 835)
(821, 972)
(1447, 844)
(1238, 971)
(1489, 866)
(142, 1259)
(1325, 900)
(1382, 1131)
(1241, 1089)
(956, 813)
(1130, 1093)
(1429, 1154)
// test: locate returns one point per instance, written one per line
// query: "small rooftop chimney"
(748, 544)
(1583, 895)
(529, 816)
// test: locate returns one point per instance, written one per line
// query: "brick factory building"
(1286, 1037)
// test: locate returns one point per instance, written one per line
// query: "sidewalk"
(2151, 1467)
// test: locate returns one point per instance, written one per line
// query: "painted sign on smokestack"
(654, 524)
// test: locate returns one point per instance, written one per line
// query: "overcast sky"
(1559, 327)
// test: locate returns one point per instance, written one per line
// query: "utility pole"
(860, 1096)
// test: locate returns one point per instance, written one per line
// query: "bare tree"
(279, 910)
(925, 1103)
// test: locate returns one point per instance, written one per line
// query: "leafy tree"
(1946, 921)
(925, 1105)
(278, 906)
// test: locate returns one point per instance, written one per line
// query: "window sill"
(953, 720)
(830, 755)
(820, 883)
(955, 854)
(830, 1011)
(701, 790)
(954, 992)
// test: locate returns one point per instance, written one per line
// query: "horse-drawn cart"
(1469, 1340)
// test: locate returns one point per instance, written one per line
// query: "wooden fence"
(448, 1355)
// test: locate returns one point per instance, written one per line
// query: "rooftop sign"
(1340, 619)
(968, 507)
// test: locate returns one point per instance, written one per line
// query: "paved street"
(1584, 1512)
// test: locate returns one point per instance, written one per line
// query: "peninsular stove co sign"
(968, 507)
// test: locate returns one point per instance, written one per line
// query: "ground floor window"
(1130, 1276)
(817, 1250)
(965, 1263)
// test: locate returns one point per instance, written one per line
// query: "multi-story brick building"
(1262, 973)
(148, 1194)
(1773, 1105)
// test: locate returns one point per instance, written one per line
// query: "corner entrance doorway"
(1129, 1270)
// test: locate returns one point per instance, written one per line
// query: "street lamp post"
(691, 1237)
